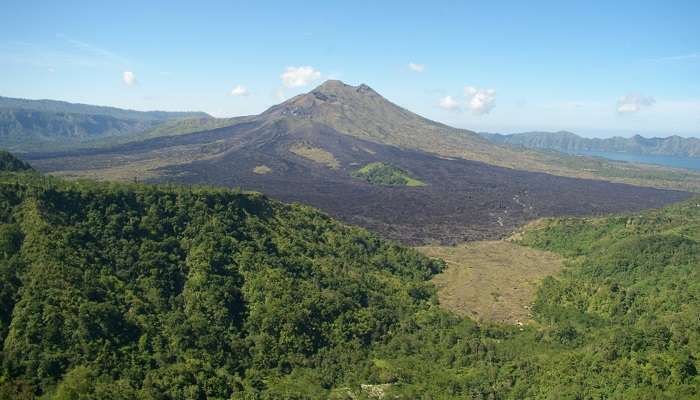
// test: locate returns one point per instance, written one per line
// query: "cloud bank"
(633, 102)
(239, 91)
(416, 67)
(299, 76)
(480, 101)
(448, 103)
(129, 78)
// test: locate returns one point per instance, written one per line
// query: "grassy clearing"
(316, 154)
(491, 280)
(262, 169)
(378, 173)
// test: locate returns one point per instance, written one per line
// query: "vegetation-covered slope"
(63, 107)
(621, 322)
(128, 291)
(385, 174)
(41, 125)
(10, 163)
(119, 291)
(570, 142)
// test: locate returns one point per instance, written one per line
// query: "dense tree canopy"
(161, 292)
(9, 162)
(116, 291)
(620, 322)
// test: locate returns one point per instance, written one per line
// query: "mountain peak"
(331, 84)
(332, 96)
(334, 87)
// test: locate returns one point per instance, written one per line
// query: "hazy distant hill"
(31, 125)
(570, 142)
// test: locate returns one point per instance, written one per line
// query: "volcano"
(312, 148)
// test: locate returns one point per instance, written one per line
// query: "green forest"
(378, 173)
(49, 125)
(10, 163)
(118, 291)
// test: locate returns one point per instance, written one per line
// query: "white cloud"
(633, 102)
(129, 78)
(480, 101)
(448, 103)
(299, 76)
(416, 67)
(239, 91)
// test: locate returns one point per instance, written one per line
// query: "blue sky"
(597, 68)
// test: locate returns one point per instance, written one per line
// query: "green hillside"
(378, 173)
(113, 291)
(119, 291)
(8, 162)
(621, 322)
(64, 107)
(570, 142)
(49, 125)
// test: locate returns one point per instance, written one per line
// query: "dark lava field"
(462, 201)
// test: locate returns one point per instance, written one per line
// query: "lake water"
(669, 161)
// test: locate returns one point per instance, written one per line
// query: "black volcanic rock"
(307, 148)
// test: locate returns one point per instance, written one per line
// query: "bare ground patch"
(316, 154)
(262, 169)
(491, 280)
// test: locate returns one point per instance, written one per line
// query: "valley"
(192, 291)
(240, 200)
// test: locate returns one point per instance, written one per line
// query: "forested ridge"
(116, 291)
(10, 163)
(621, 322)
(49, 125)
(156, 292)
(570, 142)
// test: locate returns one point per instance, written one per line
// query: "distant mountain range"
(571, 143)
(30, 125)
(359, 157)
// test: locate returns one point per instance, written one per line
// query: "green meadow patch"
(378, 173)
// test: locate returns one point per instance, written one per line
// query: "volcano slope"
(308, 149)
